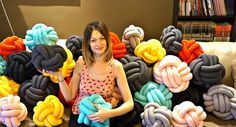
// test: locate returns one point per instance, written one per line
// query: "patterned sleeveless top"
(89, 86)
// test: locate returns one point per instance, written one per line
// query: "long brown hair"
(86, 50)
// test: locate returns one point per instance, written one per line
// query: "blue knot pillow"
(87, 107)
(40, 34)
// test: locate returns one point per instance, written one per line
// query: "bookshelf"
(231, 19)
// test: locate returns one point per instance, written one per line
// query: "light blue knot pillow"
(40, 34)
(87, 108)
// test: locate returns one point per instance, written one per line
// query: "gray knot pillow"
(48, 57)
(221, 101)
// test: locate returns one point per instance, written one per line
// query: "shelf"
(206, 18)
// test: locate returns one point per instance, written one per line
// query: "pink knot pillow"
(12, 111)
(189, 115)
(174, 73)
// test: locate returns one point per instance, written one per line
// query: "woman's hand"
(102, 114)
(55, 73)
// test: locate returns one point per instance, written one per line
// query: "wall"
(69, 17)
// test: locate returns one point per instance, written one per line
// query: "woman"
(96, 73)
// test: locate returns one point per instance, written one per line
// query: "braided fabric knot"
(49, 112)
(8, 86)
(37, 89)
(151, 51)
(131, 118)
(132, 36)
(116, 97)
(221, 101)
(12, 111)
(190, 51)
(207, 71)
(40, 34)
(118, 48)
(20, 67)
(156, 116)
(74, 44)
(87, 108)
(174, 73)
(48, 57)
(11, 45)
(3, 66)
(154, 92)
(171, 39)
(66, 69)
(189, 115)
(192, 93)
(136, 72)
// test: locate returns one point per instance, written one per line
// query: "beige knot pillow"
(227, 54)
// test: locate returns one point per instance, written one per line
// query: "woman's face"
(98, 43)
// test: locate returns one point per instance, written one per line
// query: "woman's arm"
(125, 91)
(128, 104)
(69, 91)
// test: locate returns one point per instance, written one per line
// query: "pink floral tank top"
(89, 86)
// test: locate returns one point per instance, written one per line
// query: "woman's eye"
(92, 41)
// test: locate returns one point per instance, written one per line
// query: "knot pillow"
(151, 51)
(8, 86)
(190, 51)
(116, 97)
(118, 48)
(171, 39)
(11, 45)
(37, 89)
(3, 66)
(87, 107)
(174, 73)
(187, 114)
(20, 67)
(12, 111)
(66, 69)
(192, 93)
(40, 34)
(48, 57)
(207, 71)
(132, 36)
(156, 116)
(221, 101)
(154, 92)
(74, 44)
(129, 119)
(49, 112)
(136, 72)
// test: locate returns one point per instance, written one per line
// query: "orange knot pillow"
(11, 45)
(74, 44)
(12, 111)
(132, 36)
(118, 48)
(49, 112)
(187, 114)
(174, 73)
(66, 69)
(8, 86)
(151, 51)
(171, 39)
(190, 51)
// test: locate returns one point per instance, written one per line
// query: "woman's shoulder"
(80, 61)
(117, 64)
